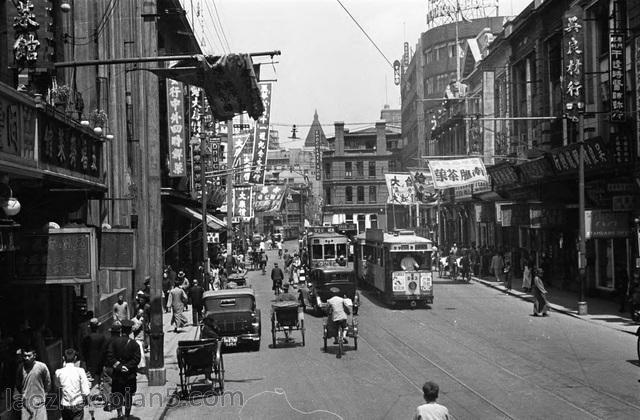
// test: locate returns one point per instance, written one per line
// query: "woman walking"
(526, 275)
(540, 302)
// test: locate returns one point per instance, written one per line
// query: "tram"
(396, 265)
(323, 247)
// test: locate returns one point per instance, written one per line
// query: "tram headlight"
(413, 286)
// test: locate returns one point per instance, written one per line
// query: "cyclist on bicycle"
(279, 245)
(339, 309)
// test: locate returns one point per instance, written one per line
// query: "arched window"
(360, 197)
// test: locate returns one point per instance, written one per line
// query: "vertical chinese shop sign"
(242, 202)
(195, 128)
(176, 131)
(318, 155)
(616, 76)
(261, 141)
(573, 45)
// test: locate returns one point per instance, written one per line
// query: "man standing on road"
(177, 301)
(431, 410)
(32, 384)
(123, 356)
(276, 277)
(120, 310)
(74, 386)
(93, 347)
(339, 312)
(195, 294)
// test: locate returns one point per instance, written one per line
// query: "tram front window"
(316, 252)
(329, 251)
(407, 259)
(342, 249)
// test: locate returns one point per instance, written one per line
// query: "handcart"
(331, 330)
(200, 357)
(286, 316)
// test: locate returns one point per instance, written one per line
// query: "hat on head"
(181, 273)
(147, 280)
(116, 327)
(94, 321)
(140, 293)
(127, 323)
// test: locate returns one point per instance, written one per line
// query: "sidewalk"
(600, 311)
(151, 402)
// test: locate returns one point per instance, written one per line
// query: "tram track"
(426, 329)
(538, 362)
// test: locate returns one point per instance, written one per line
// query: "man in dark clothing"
(276, 277)
(93, 348)
(195, 294)
(107, 370)
(123, 355)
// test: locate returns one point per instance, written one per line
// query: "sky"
(327, 64)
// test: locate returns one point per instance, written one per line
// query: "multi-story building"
(554, 77)
(353, 176)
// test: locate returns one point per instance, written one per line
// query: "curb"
(553, 307)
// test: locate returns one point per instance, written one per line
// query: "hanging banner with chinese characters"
(242, 202)
(457, 173)
(616, 76)
(195, 128)
(176, 130)
(215, 160)
(242, 157)
(400, 189)
(261, 140)
(573, 46)
(423, 186)
(316, 140)
(268, 197)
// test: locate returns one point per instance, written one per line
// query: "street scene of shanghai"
(319, 209)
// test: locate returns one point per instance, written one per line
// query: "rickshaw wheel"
(355, 342)
(302, 329)
(324, 336)
(273, 332)
(341, 335)
(220, 375)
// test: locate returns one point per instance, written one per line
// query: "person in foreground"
(431, 410)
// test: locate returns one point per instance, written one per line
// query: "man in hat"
(177, 302)
(92, 348)
(276, 278)
(195, 294)
(123, 356)
(107, 370)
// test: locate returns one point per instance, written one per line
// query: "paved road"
(491, 358)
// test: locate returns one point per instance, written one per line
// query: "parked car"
(231, 315)
(324, 281)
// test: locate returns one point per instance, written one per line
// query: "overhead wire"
(221, 27)
(215, 27)
(365, 33)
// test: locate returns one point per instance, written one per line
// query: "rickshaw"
(286, 316)
(323, 282)
(200, 357)
(330, 330)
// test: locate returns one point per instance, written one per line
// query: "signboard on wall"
(59, 256)
(176, 131)
(457, 172)
(573, 63)
(117, 249)
(606, 224)
(261, 140)
(617, 71)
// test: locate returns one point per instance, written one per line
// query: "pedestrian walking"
(431, 410)
(506, 270)
(32, 384)
(263, 262)
(177, 302)
(540, 302)
(497, 265)
(526, 275)
(195, 294)
(120, 309)
(107, 370)
(276, 277)
(123, 355)
(92, 349)
(74, 387)
(138, 331)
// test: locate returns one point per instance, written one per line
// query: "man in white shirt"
(408, 263)
(431, 410)
(339, 312)
(74, 386)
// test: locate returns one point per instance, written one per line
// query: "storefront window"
(612, 260)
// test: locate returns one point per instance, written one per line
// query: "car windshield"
(229, 304)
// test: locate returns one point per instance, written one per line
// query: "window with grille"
(348, 194)
(348, 170)
(360, 191)
(372, 193)
(372, 169)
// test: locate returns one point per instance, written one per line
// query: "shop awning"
(230, 82)
(213, 222)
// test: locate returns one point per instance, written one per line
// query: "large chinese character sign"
(573, 46)
(242, 202)
(176, 130)
(457, 173)
(616, 76)
(261, 141)
(400, 189)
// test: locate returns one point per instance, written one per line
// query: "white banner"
(457, 173)
(400, 188)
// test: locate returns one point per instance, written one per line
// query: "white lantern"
(12, 207)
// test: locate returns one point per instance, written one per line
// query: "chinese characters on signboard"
(215, 160)
(268, 198)
(400, 188)
(616, 76)
(318, 155)
(423, 187)
(242, 202)
(573, 64)
(195, 127)
(176, 130)
(595, 156)
(261, 141)
(457, 173)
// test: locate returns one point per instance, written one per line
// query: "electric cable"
(221, 27)
(215, 28)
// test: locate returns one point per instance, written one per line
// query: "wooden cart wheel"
(220, 374)
(324, 335)
(355, 342)
(302, 328)
(340, 342)
(273, 331)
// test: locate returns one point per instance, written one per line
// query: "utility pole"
(204, 144)
(582, 260)
(230, 151)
